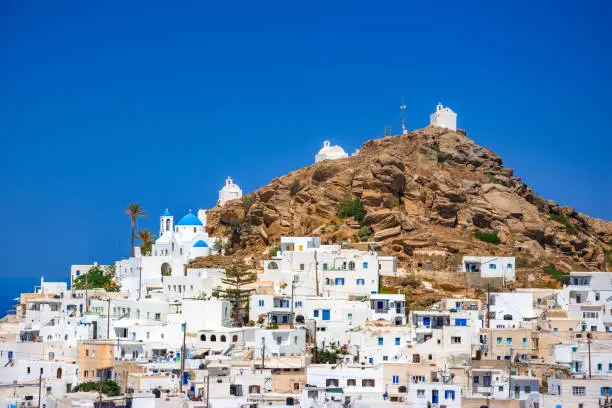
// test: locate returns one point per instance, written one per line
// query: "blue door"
(426, 321)
(325, 314)
(434, 396)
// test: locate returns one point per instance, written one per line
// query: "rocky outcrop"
(432, 188)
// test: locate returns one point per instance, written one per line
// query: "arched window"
(272, 265)
(173, 247)
(401, 388)
(235, 339)
(168, 224)
(59, 373)
(213, 338)
(65, 337)
(299, 319)
(223, 339)
(194, 229)
(351, 266)
(203, 337)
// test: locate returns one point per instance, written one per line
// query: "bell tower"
(166, 222)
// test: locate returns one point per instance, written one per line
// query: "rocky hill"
(432, 189)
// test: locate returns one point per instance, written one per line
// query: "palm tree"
(134, 211)
(146, 241)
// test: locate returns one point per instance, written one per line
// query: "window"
(578, 390)
(574, 349)
(455, 340)
(223, 338)
(316, 313)
(301, 267)
(420, 393)
(367, 382)
(298, 303)
(524, 341)
(385, 358)
(234, 338)
(395, 379)
(325, 267)
(203, 337)
(492, 266)
(605, 392)
(499, 340)
(296, 386)
(157, 316)
(527, 389)
(339, 281)
(260, 302)
(509, 266)
(460, 322)
(599, 367)
(509, 340)
(254, 389)
(449, 394)
(213, 338)
(331, 382)
(351, 266)
(349, 316)
(360, 282)
(365, 265)
(28, 370)
(380, 341)
(397, 341)
(476, 379)
(351, 382)
(523, 356)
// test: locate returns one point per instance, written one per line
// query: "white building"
(588, 298)
(490, 266)
(444, 118)
(329, 152)
(511, 310)
(230, 191)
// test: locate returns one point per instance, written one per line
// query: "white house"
(329, 152)
(229, 191)
(444, 118)
(511, 310)
(490, 266)
(588, 297)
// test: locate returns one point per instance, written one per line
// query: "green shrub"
(522, 263)
(273, 251)
(552, 271)
(247, 202)
(562, 219)
(108, 387)
(364, 233)
(295, 187)
(353, 209)
(490, 237)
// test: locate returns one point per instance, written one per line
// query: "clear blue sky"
(103, 103)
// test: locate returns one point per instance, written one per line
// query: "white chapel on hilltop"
(230, 191)
(329, 152)
(444, 118)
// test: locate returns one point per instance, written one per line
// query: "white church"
(444, 118)
(329, 152)
(230, 191)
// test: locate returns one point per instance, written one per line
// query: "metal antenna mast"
(403, 108)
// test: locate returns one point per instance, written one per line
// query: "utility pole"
(108, 319)
(39, 389)
(316, 271)
(589, 345)
(316, 353)
(86, 287)
(139, 281)
(263, 353)
(510, 377)
(207, 388)
(292, 291)
(488, 307)
(184, 326)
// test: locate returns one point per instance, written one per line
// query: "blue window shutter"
(316, 313)
(426, 321)
(326, 314)
(397, 341)
(380, 341)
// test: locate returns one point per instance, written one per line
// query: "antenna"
(403, 108)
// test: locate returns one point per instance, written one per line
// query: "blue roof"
(166, 213)
(200, 244)
(189, 219)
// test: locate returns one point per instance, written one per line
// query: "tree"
(108, 387)
(217, 245)
(134, 211)
(96, 278)
(146, 241)
(352, 208)
(237, 276)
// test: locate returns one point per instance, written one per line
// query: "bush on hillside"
(490, 237)
(352, 208)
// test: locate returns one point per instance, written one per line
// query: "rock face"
(432, 188)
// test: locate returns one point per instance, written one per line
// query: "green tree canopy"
(96, 278)
(237, 276)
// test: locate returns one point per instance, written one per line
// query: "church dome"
(200, 244)
(166, 213)
(328, 149)
(189, 220)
